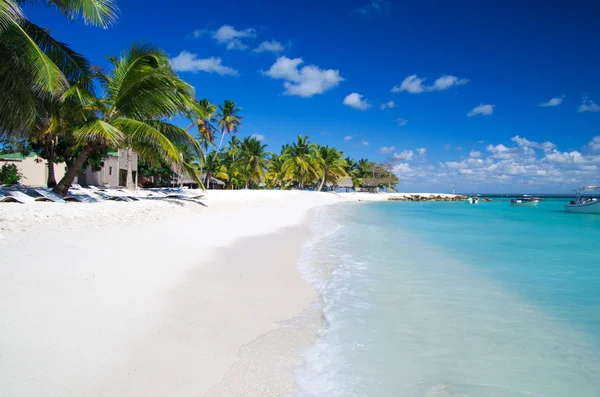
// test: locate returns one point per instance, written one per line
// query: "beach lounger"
(23, 198)
(9, 199)
(55, 197)
(114, 193)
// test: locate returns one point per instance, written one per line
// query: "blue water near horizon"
(452, 299)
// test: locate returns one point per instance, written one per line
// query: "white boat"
(524, 203)
(584, 205)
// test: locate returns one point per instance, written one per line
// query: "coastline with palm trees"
(157, 294)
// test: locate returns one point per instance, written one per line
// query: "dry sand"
(143, 299)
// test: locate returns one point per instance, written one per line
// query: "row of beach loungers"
(92, 194)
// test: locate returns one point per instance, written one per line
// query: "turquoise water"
(452, 299)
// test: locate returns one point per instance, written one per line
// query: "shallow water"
(452, 299)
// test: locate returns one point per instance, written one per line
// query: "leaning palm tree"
(141, 92)
(252, 161)
(301, 161)
(229, 121)
(203, 116)
(34, 66)
(333, 165)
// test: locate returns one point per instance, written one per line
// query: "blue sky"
(466, 78)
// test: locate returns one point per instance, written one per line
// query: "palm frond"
(143, 86)
(74, 66)
(99, 132)
(147, 139)
(35, 67)
(102, 13)
(10, 12)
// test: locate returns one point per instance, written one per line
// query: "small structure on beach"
(187, 181)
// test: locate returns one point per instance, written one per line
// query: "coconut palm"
(301, 161)
(34, 66)
(333, 166)
(229, 121)
(140, 92)
(274, 175)
(252, 161)
(203, 116)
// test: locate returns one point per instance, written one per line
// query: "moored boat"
(584, 205)
(524, 202)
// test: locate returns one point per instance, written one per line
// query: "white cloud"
(373, 6)
(305, 82)
(447, 147)
(459, 148)
(405, 155)
(348, 138)
(388, 105)
(481, 142)
(364, 143)
(199, 33)
(573, 157)
(273, 46)
(526, 144)
(188, 62)
(553, 102)
(484, 110)
(414, 85)
(422, 152)
(587, 105)
(236, 44)
(445, 82)
(258, 137)
(355, 101)
(524, 165)
(228, 35)
(594, 144)
(386, 149)
(401, 122)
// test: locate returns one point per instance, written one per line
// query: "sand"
(155, 298)
(158, 298)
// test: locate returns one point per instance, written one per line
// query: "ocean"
(451, 299)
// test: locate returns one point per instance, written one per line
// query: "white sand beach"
(144, 298)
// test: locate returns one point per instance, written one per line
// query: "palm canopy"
(141, 92)
(203, 116)
(301, 160)
(252, 160)
(36, 66)
(333, 165)
(229, 119)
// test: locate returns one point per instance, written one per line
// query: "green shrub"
(9, 174)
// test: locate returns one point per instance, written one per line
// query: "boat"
(524, 202)
(584, 205)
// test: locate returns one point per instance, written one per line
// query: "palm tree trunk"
(209, 168)
(51, 182)
(129, 180)
(322, 183)
(65, 183)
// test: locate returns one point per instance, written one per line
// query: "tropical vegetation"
(54, 102)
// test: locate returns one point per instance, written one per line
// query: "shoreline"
(88, 290)
(89, 311)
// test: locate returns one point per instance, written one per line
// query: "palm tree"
(333, 166)
(275, 176)
(229, 121)
(203, 116)
(252, 161)
(301, 160)
(140, 93)
(35, 66)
